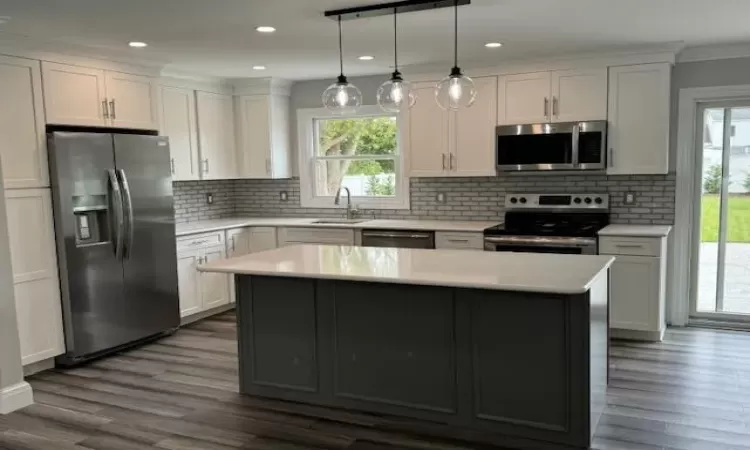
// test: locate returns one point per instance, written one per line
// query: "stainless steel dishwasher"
(398, 239)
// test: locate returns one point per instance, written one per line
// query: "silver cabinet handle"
(463, 241)
(171, 164)
(629, 246)
(201, 242)
(200, 260)
(268, 166)
(105, 109)
(555, 108)
(453, 162)
(611, 162)
(205, 165)
(112, 111)
(119, 213)
(233, 248)
(546, 107)
(444, 161)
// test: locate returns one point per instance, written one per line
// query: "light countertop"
(526, 272)
(636, 230)
(205, 226)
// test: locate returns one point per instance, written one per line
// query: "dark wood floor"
(690, 392)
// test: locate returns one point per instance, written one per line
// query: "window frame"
(307, 134)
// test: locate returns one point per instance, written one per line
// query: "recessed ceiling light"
(366, 58)
(493, 45)
(259, 67)
(265, 29)
(4, 19)
(136, 44)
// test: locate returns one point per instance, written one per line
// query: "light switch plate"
(209, 198)
(440, 197)
(284, 196)
(629, 198)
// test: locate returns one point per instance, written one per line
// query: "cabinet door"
(74, 95)
(216, 136)
(190, 300)
(635, 293)
(427, 134)
(262, 239)
(579, 95)
(474, 152)
(281, 161)
(35, 275)
(132, 101)
(254, 146)
(22, 147)
(524, 98)
(177, 121)
(214, 286)
(639, 119)
(238, 242)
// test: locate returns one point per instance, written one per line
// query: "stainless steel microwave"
(552, 146)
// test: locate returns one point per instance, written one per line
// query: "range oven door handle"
(541, 241)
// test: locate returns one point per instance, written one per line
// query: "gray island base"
(521, 369)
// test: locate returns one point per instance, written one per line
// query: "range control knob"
(598, 200)
(523, 200)
(588, 200)
(577, 200)
(513, 200)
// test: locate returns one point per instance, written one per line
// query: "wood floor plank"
(691, 392)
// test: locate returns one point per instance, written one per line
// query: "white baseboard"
(15, 397)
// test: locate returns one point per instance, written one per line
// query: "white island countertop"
(525, 272)
(206, 226)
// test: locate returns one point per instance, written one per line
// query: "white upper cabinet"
(557, 96)
(178, 122)
(132, 100)
(639, 102)
(35, 277)
(75, 95)
(579, 95)
(473, 153)
(524, 98)
(426, 134)
(22, 139)
(218, 155)
(263, 136)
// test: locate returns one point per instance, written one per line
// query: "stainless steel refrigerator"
(114, 223)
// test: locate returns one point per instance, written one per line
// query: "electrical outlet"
(284, 196)
(440, 197)
(629, 198)
(209, 198)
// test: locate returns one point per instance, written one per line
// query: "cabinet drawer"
(459, 241)
(200, 241)
(290, 236)
(630, 246)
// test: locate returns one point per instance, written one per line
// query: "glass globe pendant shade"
(342, 97)
(456, 91)
(396, 94)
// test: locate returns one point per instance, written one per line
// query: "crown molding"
(195, 82)
(714, 52)
(262, 86)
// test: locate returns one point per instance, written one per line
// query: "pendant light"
(342, 97)
(456, 91)
(396, 94)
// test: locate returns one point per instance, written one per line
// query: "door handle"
(130, 223)
(112, 109)
(171, 165)
(452, 162)
(546, 107)
(105, 109)
(444, 161)
(555, 107)
(118, 213)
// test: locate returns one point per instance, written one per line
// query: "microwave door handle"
(576, 143)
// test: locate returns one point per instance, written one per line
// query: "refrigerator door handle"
(119, 213)
(129, 223)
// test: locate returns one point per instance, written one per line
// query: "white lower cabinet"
(214, 287)
(36, 282)
(637, 286)
(190, 299)
(201, 291)
(459, 240)
(330, 236)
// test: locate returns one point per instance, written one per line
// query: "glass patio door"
(722, 242)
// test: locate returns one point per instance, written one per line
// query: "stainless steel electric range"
(550, 223)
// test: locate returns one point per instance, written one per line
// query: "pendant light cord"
(455, 34)
(341, 49)
(395, 39)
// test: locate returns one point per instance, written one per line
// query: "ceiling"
(218, 37)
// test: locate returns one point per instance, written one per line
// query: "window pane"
(364, 178)
(358, 136)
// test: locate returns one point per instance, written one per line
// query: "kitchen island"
(506, 347)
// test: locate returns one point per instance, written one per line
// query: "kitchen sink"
(340, 221)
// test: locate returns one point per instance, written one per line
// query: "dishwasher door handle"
(397, 235)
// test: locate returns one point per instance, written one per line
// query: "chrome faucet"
(337, 201)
